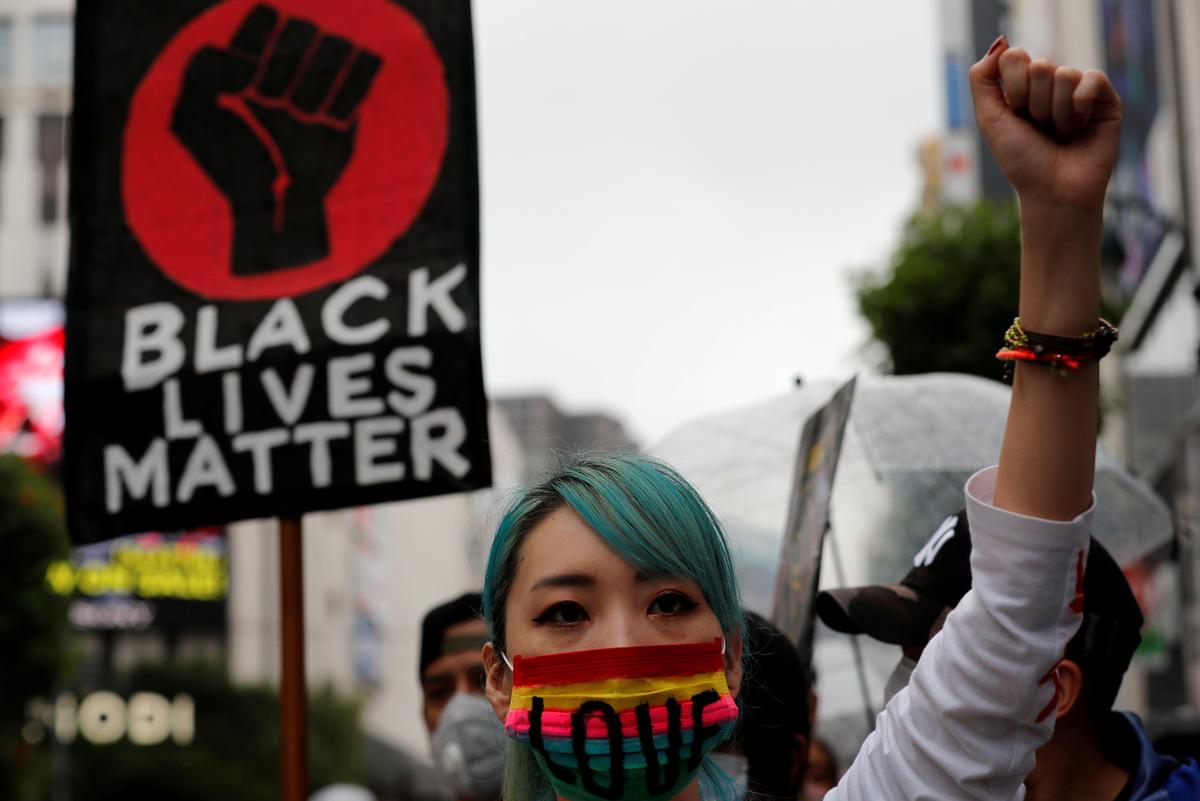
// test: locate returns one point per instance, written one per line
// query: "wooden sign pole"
(293, 699)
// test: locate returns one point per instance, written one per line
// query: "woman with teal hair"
(626, 554)
(616, 632)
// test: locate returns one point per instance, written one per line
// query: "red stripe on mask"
(636, 662)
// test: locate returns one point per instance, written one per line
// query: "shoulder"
(1157, 777)
(1184, 782)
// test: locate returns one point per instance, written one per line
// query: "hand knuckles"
(1014, 57)
(1068, 75)
(1041, 68)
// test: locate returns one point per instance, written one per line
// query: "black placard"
(273, 304)
(820, 448)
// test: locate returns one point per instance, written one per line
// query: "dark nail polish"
(996, 44)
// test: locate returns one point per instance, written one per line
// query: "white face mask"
(469, 746)
(899, 679)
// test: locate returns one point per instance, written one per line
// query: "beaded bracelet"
(1061, 354)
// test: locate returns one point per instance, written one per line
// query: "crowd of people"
(609, 657)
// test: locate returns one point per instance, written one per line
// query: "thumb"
(984, 76)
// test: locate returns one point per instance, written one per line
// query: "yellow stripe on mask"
(620, 694)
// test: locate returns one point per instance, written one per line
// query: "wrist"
(1056, 210)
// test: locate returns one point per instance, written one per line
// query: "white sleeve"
(981, 699)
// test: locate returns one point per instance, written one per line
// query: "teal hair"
(650, 516)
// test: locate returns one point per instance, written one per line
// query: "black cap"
(467, 606)
(1112, 620)
(905, 613)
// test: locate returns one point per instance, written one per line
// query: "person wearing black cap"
(1095, 754)
(468, 741)
(767, 756)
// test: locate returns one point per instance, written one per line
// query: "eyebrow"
(580, 580)
(565, 580)
(437, 678)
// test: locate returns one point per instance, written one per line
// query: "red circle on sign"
(395, 139)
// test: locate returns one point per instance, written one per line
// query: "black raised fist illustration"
(271, 119)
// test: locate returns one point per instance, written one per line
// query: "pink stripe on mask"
(557, 723)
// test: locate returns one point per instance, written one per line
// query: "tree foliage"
(33, 636)
(949, 291)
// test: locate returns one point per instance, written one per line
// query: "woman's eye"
(672, 603)
(564, 613)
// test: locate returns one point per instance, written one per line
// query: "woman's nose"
(626, 628)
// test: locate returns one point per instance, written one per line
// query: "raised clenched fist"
(1053, 130)
(271, 120)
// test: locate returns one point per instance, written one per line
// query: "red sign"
(31, 396)
(335, 106)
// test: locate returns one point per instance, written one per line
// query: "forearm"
(1049, 451)
(979, 702)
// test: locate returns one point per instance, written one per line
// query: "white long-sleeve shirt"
(981, 699)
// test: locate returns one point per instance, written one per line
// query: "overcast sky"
(674, 193)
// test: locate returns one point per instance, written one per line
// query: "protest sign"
(808, 518)
(273, 304)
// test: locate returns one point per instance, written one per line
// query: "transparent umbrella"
(910, 444)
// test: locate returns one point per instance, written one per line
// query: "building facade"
(36, 41)
(958, 167)
(548, 435)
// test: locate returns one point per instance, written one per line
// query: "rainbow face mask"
(622, 723)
